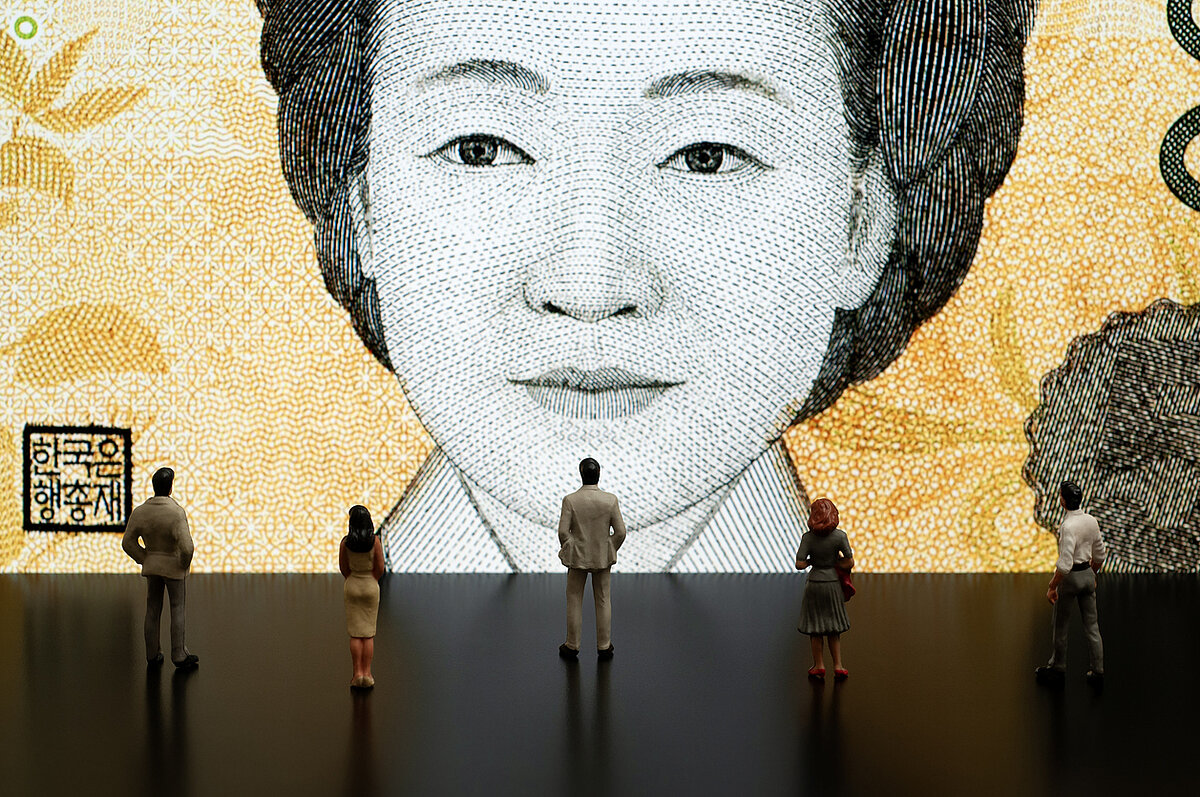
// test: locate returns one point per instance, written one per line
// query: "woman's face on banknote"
(612, 229)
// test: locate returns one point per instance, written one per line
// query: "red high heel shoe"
(816, 673)
(841, 675)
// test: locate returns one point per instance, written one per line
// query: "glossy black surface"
(707, 693)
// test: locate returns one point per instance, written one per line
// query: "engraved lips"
(594, 394)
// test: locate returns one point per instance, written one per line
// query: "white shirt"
(1079, 540)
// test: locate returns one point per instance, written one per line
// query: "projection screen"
(926, 258)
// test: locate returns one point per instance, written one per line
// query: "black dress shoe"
(567, 652)
(1050, 676)
(156, 661)
(189, 662)
(606, 654)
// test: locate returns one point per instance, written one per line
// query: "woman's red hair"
(822, 516)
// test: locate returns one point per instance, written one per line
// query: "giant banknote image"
(636, 232)
(925, 257)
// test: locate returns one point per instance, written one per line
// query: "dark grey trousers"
(1079, 586)
(177, 591)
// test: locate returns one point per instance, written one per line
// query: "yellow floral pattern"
(29, 161)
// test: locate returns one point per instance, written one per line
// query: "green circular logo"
(25, 27)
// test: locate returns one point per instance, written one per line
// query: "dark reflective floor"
(707, 693)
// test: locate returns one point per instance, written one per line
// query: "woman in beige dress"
(360, 558)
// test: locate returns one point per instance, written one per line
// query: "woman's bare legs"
(356, 655)
(817, 642)
(368, 654)
(835, 650)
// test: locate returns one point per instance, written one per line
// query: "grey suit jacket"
(162, 525)
(587, 515)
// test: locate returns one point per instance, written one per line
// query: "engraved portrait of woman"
(656, 233)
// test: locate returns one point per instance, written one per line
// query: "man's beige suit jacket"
(163, 527)
(587, 515)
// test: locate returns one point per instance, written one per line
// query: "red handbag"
(847, 585)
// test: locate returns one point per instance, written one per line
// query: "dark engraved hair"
(163, 480)
(823, 516)
(360, 537)
(589, 471)
(1072, 496)
(936, 85)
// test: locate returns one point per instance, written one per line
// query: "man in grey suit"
(590, 531)
(165, 558)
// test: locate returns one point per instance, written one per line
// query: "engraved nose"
(592, 269)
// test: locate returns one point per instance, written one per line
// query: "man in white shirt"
(1080, 557)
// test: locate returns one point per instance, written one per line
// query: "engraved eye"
(710, 158)
(479, 151)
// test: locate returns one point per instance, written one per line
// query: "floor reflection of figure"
(1055, 742)
(601, 739)
(156, 760)
(575, 755)
(822, 768)
(588, 755)
(167, 750)
(360, 759)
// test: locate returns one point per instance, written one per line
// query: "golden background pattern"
(156, 275)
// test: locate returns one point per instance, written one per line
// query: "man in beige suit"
(163, 528)
(588, 546)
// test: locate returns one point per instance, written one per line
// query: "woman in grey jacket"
(826, 549)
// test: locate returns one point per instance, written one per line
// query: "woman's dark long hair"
(361, 537)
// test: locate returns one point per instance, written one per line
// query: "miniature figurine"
(826, 549)
(587, 545)
(1080, 556)
(360, 558)
(162, 525)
